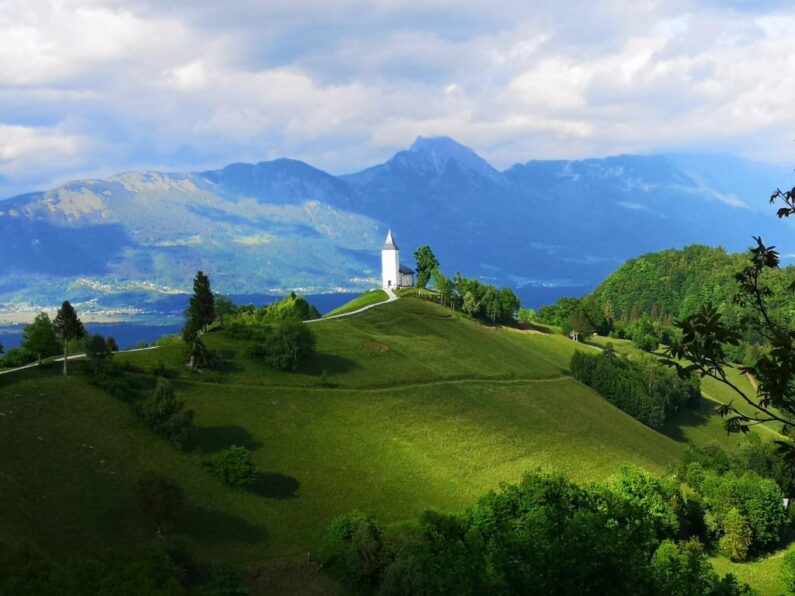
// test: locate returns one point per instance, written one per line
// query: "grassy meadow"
(419, 408)
(366, 299)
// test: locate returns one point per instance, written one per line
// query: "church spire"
(389, 244)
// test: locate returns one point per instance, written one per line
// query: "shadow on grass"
(211, 439)
(330, 363)
(216, 526)
(273, 485)
(228, 362)
(690, 417)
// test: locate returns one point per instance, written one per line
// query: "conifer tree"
(202, 304)
(68, 326)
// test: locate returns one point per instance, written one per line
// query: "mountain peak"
(438, 151)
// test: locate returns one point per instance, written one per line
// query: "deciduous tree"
(426, 265)
(40, 338)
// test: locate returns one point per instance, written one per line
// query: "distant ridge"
(546, 228)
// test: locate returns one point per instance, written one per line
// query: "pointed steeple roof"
(389, 244)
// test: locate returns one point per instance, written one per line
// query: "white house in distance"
(393, 274)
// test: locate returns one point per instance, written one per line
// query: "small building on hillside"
(393, 274)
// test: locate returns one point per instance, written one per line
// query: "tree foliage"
(167, 415)
(644, 388)
(40, 337)
(235, 467)
(286, 345)
(68, 327)
(542, 536)
(201, 309)
(99, 354)
(426, 265)
(247, 320)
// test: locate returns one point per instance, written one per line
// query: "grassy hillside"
(366, 299)
(427, 409)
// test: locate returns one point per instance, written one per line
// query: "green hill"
(419, 408)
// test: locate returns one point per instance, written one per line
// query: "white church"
(393, 274)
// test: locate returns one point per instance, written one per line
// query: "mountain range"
(126, 243)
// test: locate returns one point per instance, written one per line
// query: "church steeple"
(389, 244)
(390, 263)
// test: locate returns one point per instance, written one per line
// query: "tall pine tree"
(68, 327)
(200, 313)
(201, 310)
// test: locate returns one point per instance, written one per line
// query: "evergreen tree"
(202, 304)
(40, 338)
(98, 353)
(68, 326)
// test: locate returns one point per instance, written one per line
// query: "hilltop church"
(393, 274)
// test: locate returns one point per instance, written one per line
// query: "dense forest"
(644, 296)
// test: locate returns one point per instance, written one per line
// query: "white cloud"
(106, 85)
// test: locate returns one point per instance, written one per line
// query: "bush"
(758, 501)
(166, 415)
(235, 467)
(660, 499)
(17, 357)
(159, 498)
(286, 346)
(354, 543)
(682, 569)
(737, 538)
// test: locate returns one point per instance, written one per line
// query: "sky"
(93, 87)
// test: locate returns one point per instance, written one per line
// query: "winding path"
(72, 357)
(389, 292)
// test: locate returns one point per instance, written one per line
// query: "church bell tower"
(390, 263)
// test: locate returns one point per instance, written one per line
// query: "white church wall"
(390, 266)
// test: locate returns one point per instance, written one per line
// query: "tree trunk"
(39, 357)
(65, 357)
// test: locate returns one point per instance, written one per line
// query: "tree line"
(64, 335)
(635, 534)
(644, 297)
(481, 301)
(643, 388)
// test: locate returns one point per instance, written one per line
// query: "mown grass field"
(425, 409)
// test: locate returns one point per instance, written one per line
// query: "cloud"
(97, 86)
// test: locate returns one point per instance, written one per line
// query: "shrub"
(737, 538)
(159, 498)
(17, 357)
(757, 500)
(682, 569)
(235, 467)
(286, 346)
(166, 415)
(354, 543)
(659, 499)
